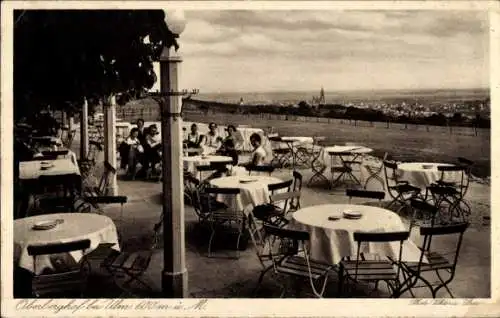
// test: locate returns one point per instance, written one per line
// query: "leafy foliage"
(60, 56)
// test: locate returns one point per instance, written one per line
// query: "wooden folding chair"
(68, 278)
(281, 155)
(355, 193)
(437, 262)
(272, 213)
(374, 172)
(449, 193)
(343, 169)
(378, 267)
(230, 218)
(264, 168)
(282, 249)
(318, 168)
(400, 190)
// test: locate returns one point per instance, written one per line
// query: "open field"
(404, 144)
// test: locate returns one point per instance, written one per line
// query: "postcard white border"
(246, 307)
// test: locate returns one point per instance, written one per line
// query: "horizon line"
(345, 90)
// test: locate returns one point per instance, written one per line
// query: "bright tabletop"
(423, 174)
(332, 240)
(330, 157)
(75, 226)
(191, 162)
(29, 170)
(254, 190)
(298, 139)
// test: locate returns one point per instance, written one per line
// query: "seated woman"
(194, 138)
(231, 144)
(132, 151)
(259, 155)
(213, 140)
(152, 147)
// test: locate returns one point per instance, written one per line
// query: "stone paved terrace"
(225, 277)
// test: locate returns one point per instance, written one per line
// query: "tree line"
(339, 111)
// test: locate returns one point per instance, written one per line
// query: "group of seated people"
(230, 146)
(143, 146)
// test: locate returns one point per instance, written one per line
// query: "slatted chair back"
(428, 232)
(456, 176)
(377, 195)
(419, 205)
(288, 250)
(67, 278)
(204, 169)
(431, 260)
(390, 173)
(382, 237)
(264, 168)
(223, 191)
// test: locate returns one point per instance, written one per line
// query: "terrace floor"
(230, 278)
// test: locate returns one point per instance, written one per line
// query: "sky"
(284, 50)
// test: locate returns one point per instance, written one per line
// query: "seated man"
(194, 138)
(212, 140)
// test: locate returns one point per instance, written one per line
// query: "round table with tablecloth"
(75, 226)
(332, 240)
(252, 193)
(190, 163)
(423, 174)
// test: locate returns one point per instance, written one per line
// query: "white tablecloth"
(332, 240)
(252, 193)
(355, 150)
(29, 170)
(76, 226)
(422, 174)
(190, 163)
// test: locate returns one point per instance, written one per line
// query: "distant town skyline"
(270, 51)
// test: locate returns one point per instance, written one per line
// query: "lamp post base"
(174, 285)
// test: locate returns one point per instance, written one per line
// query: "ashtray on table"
(247, 180)
(354, 215)
(46, 225)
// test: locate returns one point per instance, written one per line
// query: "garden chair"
(448, 192)
(119, 264)
(56, 193)
(275, 211)
(355, 193)
(437, 262)
(230, 218)
(318, 167)
(269, 169)
(342, 168)
(374, 172)
(377, 267)
(399, 190)
(297, 187)
(68, 278)
(281, 155)
(282, 248)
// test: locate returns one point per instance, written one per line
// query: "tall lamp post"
(174, 274)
